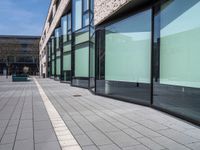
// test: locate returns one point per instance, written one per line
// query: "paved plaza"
(32, 113)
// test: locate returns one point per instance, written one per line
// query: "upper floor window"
(77, 14)
(81, 11)
(57, 36)
(66, 27)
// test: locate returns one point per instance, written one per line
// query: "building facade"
(17, 52)
(140, 51)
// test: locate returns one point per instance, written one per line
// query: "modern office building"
(140, 51)
(17, 52)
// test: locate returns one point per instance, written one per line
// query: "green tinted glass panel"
(128, 49)
(67, 47)
(82, 62)
(58, 66)
(52, 56)
(67, 62)
(57, 53)
(83, 37)
(179, 44)
(52, 69)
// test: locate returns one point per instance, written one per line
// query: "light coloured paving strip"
(65, 138)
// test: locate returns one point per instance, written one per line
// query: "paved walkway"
(95, 122)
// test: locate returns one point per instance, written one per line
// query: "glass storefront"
(177, 77)
(127, 59)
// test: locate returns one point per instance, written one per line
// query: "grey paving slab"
(169, 144)
(178, 136)
(122, 139)
(99, 138)
(146, 131)
(91, 147)
(8, 138)
(11, 129)
(24, 144)
(194, 146)
(137, 147)
(26, 124)
(46, 135)
(109, 147)
(150, 144)
(41, 125)
(6, 147)
(20, 106)
(48, 146)
(133, 133)
(25, 134)
(84, 140)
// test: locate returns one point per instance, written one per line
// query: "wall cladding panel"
(104, 8)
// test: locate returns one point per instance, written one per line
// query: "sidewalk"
(95, 122)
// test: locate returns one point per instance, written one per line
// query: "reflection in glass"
(86, 20)
(86, 5)
(178, 86)
(127, 59)
(64, 28)
(77, 14)
(81, 61)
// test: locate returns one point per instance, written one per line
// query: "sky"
(23, 17)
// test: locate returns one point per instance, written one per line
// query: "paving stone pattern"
(24, 122)
(102, 123)
(97, 123)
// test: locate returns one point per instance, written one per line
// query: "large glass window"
(81, 43)
(57, 36)
(69, 21)
(77, 14)
(81, 61)
(86, 19)
(127, 58)
(66, 49)
(85, 5)
(67, 62)
(177, 80)
(64, 28)
(53, 56)
(130, 41)
(58, 66)
(81, 14)
(53, 68)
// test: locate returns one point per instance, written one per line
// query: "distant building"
(16, 52)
